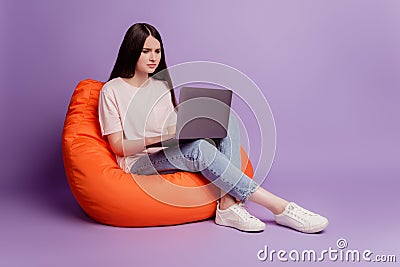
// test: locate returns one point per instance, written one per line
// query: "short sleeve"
(109, 116)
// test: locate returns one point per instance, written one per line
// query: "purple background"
(329, 69)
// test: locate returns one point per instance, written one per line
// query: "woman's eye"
(145, 51)
(158, 51)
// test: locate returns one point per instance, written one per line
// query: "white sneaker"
(238, 217)
(301, 219)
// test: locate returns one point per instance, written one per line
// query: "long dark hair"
(130, 51)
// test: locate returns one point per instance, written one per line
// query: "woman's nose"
(152, 56)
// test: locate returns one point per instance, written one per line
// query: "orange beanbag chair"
(109, 195)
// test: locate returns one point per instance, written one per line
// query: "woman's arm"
(123, 147)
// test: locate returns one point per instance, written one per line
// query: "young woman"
(132, 86)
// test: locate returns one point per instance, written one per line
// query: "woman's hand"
(158, 138)
(123, 147)
(171, 129)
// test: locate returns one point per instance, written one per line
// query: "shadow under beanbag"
(110, 196)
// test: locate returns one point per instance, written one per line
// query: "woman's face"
(150, 56)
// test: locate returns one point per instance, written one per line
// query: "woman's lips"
(152, 65)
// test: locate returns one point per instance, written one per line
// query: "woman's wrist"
(157, 139)
(152, 140)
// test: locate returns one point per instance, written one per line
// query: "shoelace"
(243, 213)
(300, 212)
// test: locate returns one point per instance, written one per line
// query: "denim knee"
(202, 149)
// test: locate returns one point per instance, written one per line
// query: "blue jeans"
(218, 160)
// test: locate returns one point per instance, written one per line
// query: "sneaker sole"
(315, 229)
(218, 222)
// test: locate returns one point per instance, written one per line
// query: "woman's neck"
(138, 79)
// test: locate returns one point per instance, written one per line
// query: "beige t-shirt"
(137, 111)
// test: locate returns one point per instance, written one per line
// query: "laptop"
(202, 113)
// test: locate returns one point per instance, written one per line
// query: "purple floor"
(42, 229)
